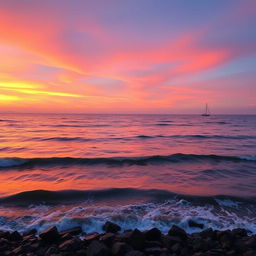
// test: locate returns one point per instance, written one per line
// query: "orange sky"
(127, 56)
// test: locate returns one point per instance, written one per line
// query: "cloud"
(115, 53)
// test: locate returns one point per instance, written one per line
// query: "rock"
(17, 250)
(250, 242)
(153, 234)
(51, 251)
(96, 249)
(91, 237)
(4, 234)
(176, 248)
(207, 233)
(150, 244)
(111, 227)
(72, 231)
(50, 235)
(250, 253)
(15, 236)
(169, 241)
(107, 239)
(194, 224)
(134, 253)
(136, 239)
(30, 232)
(240, 232)
(177, 231)
(72, 244)
(154, 251)
(120, 248)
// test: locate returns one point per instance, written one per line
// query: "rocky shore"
(74, 242)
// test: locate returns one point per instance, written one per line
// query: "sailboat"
(207, 111)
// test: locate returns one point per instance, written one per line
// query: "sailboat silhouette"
(207, 111)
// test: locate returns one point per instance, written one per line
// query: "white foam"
(249, 158)
(142, 216)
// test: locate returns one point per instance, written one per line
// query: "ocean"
(139, 171)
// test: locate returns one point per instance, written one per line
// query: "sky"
(136, 56)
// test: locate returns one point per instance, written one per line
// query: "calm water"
(167, 168)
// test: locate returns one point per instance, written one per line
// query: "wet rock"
(250, 253)
(72, 231)
(111, 227)
(107, 239)
(134, 253)
(153, 234)
(239, 232)
(4, 234)
(250, 242)
(97, 249)
(177, 231)
(154, 251)
(51, 251)
(72, 244)
(30, 232)
(194, 224)
(136, 239)
(50, 235)
(120, 248)
(92, 237)
(149, 244)
(207, 233)
(15, 236)
(176, 248)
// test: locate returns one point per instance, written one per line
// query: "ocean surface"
(139, 171)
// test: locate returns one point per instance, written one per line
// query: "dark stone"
(15, 236)
(120, 248)
(239, 232)
(169, 241)
(72, 231)
(50, 235)
(51, 251)
(30, 232)
(231, 253)
(107, 239)
(17, 250)
(150, 244)
(250, 242)
(153, 234)
(65, 237)
(194, 224)
(176, 248)
(72, 244)
(92, 237)
(177, 231)
(136, 239)
(207, 233)
(154, 251)
(4, 234)
(111, 227)
(97, 249)
(134, 253)
(250, 253)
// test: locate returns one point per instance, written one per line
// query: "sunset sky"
(128, 56)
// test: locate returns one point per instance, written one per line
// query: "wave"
(193, 136)
(65, 139)
(140, 160)
(91, 209)
(118, 194)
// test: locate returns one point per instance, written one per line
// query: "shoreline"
(133, 242)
